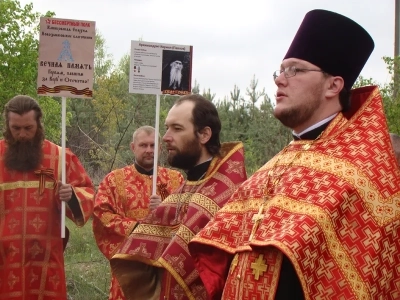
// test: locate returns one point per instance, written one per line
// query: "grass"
(87, 270)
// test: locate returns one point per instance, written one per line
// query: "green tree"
(249, 118)
(81, 134)
(18, 61)
(391, 95)
(103, 61)
(266, 136)
(118, 114)
(18, 49)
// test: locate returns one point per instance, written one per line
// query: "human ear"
(205, 135)
(335, 85)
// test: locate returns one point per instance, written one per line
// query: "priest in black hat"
(320, 220)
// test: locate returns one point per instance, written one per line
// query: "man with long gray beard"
(154, 262)
(31, 247)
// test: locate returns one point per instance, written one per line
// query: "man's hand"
(65, 191)
(155, 201)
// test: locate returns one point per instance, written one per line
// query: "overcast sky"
(232, 40)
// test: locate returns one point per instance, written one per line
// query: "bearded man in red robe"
(31, 247)
(154, 262)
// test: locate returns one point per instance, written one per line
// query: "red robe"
(31, 247)
(121, 201)
(334, 213)
(154, 262)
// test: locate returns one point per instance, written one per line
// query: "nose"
(22, 134)
(166, 137)
(280, 79)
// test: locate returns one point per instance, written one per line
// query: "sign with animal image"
(66, 58)
(160, 69)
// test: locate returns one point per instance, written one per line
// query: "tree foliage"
(18, 61)
(391, 94)
(249, 118)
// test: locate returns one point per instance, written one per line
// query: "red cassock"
(31, 247)
(121, 201)
(154, 262)
(334, 213)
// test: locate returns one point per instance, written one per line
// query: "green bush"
(87, 270)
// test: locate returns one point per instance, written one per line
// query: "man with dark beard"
(154, 263)
(320, 220)
(31, 247)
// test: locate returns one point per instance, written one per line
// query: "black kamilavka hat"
(335, 43)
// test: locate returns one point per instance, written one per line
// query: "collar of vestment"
(312, 132)
(141, 170)
(198, 171)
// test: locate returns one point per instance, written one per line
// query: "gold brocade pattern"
(24, 185)
(335, 214)
(165, 237)
(123, 200)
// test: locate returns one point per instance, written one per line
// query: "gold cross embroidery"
(256, 219)
(12, 280)
(234, 262)
(259, 267)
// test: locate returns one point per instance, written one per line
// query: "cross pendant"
(256, 219)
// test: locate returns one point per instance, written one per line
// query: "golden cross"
(256, 219)
(259, 267)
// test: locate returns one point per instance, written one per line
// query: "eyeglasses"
(291, 71)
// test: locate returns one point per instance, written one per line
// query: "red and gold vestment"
(121, 201)
(154, 262)
(334, 213)
(31, 247)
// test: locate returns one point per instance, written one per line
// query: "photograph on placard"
(175, 71)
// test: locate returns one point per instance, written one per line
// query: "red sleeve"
(111, 225)
(213, 266)
(83, 189)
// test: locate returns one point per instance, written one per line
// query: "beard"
(175, 75)
(294, 116)
(187, 157)
(25, 155)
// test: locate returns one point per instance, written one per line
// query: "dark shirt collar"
(143, 171)
(312, 134)
(198, 171)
